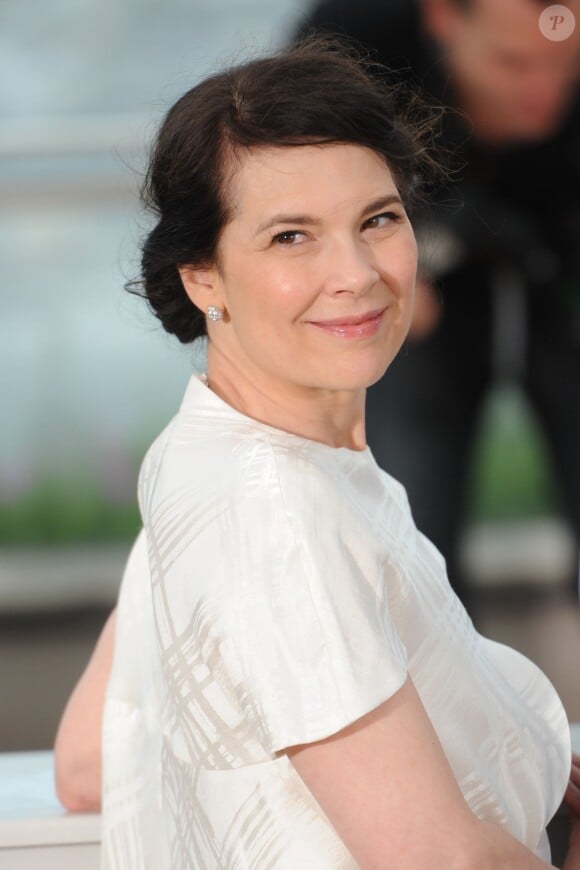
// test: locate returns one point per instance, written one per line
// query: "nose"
(349, 268)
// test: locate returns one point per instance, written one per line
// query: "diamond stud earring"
(215, 313)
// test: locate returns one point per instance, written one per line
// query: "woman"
(294, 682)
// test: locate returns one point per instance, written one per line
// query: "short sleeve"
(312, 628)
(271, 593)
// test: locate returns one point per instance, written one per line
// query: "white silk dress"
(278, 591)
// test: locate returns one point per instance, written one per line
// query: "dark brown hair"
(320, 91)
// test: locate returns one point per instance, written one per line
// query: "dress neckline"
(199, 392)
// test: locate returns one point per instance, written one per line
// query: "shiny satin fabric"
(278, 591)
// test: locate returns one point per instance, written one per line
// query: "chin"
(360, 377)
(535, 129)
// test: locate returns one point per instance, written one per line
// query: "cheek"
(267, 298)
(285, 290)
(410, 270)
(402, 263)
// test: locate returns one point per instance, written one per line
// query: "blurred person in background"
(504, 262)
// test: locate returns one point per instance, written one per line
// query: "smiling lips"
(352, 327)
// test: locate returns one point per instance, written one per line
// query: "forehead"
(318, 176)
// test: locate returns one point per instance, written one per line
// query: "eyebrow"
(301, 220)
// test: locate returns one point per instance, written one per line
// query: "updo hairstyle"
(320, 91)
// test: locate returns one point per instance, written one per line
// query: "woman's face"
(316, 267)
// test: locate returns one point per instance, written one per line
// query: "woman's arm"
(77, 748)
(384, 782)
(386, 786)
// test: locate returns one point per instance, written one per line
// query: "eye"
(288, 237)
(385, 219)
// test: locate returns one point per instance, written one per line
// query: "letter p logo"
(557, 23)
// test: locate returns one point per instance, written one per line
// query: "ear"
(441, 18)
(201, 285)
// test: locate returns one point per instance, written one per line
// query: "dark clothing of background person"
(512, 211)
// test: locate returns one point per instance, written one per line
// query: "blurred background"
(89, 379)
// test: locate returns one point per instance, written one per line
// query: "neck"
(331, 417)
